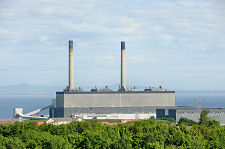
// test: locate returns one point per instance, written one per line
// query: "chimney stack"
(71, 68)
(123, 71)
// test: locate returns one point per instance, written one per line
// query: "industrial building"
(191, 113)
(123, 103)
(71, 102)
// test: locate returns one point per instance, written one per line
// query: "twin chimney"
(123, 67)
(71, 67)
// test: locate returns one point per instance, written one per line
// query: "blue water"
(27, 102)
(33, 102)
(212, 99)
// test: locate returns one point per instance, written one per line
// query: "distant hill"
(29, 89)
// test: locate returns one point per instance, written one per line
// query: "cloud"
(3, 31)
(158, 34)
(141, 59)
(44, 39)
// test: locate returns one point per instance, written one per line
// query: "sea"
(204, 99)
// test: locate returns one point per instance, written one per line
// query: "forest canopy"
(138, 134)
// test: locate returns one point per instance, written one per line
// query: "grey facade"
(191, 113)
(194, 114)
(114, 99)
(71, 112)
(160, 102)
(75, 103)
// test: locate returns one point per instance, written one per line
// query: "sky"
(179, 44)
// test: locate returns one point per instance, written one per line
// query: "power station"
(71, 102)
(121, 104)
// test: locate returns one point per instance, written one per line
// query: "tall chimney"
(123, 71)
(71, 73)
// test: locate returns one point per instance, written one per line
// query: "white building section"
(18, 113)
(118, 116)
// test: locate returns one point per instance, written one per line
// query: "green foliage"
(186, 121)
(168, 119)
(203, 117)
(213, 123)
(137, 134)
(11, 143)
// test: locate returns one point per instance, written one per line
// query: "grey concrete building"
(71, 102)
(190, 113)
(114, 99)
(110, 102)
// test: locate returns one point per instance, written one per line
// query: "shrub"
(186, 121)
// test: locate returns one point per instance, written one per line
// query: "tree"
(213, 123)
(172, 120)
(138, 134)
(186, 121)
(203, 117)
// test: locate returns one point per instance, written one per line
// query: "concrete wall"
(119, 116)
(70, 112)
(190, 113)
(172, 112)
(194, 114)
(116, 99)
(59, 100)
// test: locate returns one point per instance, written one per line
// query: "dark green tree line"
(138, 134)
